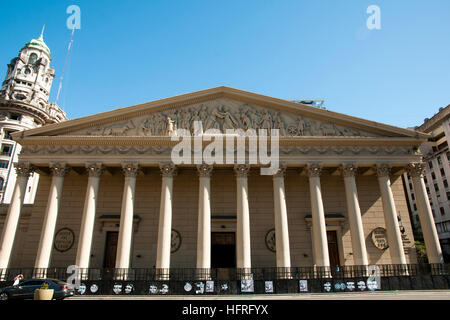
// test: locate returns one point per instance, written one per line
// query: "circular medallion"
(379, 238)
(270, 240)
(175, 241)
(64, 240)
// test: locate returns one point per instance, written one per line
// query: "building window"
(4, 164)
(433, 176)
(448, 195)
(442, 210)
(445, 183)
(15, 116)
(442, 172)
(415, 207)
(410, 186)
(7, 134)
(2, 183)
(6, 150)
(430, 164)
(33, 58)
(439, 160)
(448, 155)
(436, 187)
(413, 197)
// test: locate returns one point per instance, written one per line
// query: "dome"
(38, 44)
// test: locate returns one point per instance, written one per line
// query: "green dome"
(38, 44)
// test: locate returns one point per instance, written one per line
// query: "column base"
(162, 274)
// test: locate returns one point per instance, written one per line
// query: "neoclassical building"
(111, 195)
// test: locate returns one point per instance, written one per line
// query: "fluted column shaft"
(281, 221)
(130, 171)
(321, 255)
(59, 171)
(204, 217)
(243, 248)
(390, 216)
(165, 217)
(12, 218)
(430, 235)
(354, 216)
(88, 219)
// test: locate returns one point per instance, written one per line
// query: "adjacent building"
(436, 157)
(24, 104)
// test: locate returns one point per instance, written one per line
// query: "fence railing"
(180, 274)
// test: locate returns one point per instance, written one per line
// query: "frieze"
(222, 114)
(121, 149)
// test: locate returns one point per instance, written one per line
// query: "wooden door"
(333, 248)
(111, 249)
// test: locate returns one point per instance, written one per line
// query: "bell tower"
(24, 104)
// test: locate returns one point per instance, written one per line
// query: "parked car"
(25, 289)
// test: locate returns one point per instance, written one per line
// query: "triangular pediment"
(221, 108)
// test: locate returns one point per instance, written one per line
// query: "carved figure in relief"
(229, 122)
(245, 120)
(266, 122)
(279, 124)
(119, 129)
(327, 129)
(143, 129)
(171, 126)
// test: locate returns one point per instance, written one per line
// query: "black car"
(25, 289)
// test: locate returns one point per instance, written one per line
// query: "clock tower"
(24, 104)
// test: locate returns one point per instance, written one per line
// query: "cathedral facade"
(114, 193)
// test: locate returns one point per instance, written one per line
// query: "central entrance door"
(223, 253)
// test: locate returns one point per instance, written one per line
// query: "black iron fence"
(182, 281)
(182, 274)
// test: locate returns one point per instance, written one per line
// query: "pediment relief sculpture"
(222, 114)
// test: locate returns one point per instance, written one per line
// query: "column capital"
(241, 170)
(59, 169)
(348, 170)
(94, 169)
(168, 169)
(24, 169)
(204, 170)
(281, 171)
(314, 170)
(383, 170)
(416, 169)
(130, 169)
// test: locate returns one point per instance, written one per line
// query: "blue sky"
(130, 52)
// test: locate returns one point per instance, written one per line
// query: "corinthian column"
(354, 215)
(94, 170)
(130, 171)
(281, 224)
(434, 251)
(23, 169)
(204, 222)
(390, 216)
(165, 221)
(243, 250)
(58, 171)
(321, 256)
